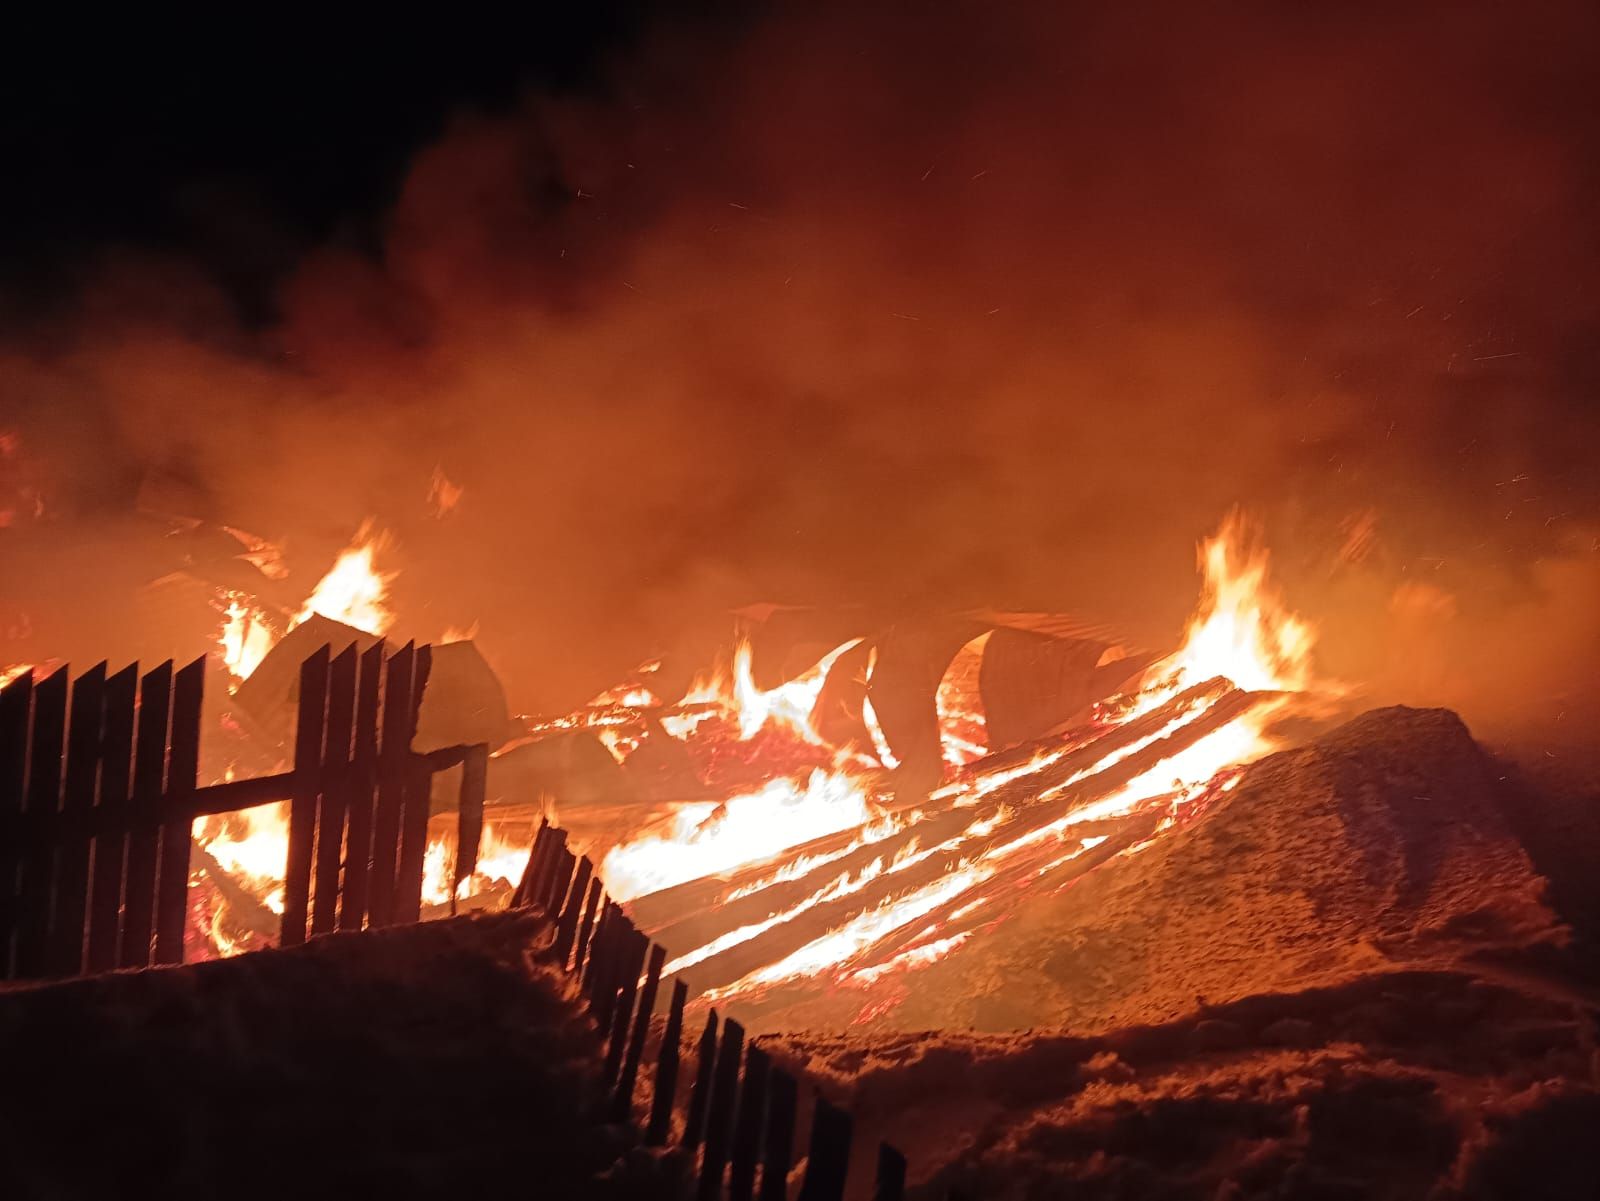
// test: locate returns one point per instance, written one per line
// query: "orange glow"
(1241, 632)
(247, 635)
(354, 591)
(788, 706)
(707, 838)
(15, 671)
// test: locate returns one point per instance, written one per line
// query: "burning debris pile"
(1019, 775)
(884, 829)
(809, 814)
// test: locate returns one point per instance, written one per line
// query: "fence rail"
(740, 1123)
(99, 791)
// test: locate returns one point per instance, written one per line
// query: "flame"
(252, 846)
(15, 671)
(1241, 632)
(963, 725)
(246, 636)
(707, 838)
(787, 707)
(354, 591)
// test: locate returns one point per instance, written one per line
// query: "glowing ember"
(707, 838)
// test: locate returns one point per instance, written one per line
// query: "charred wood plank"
(746, 1146)
(43, 799)
(110, 845)
(567, 922)
(891, 1182)
(149, 779)
(469, 820)
(586, 926)
(361, 783)
(531, 870)
(599, 949)
(310, 728)
(416, 799)
(777, 1151)
(630, 965)
(779, 941)
(666, 1083)
(694, 913)
(694, 1125)
(337, 778)
(719, 1117)
(392, 778)
(828, 1162)
(72, 852)
(622, 1106)
(183, 767)
(16, 708)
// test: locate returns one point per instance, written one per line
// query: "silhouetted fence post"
(667, 1069)
(694, 1124)
(719, 1115)
(777, 1154)
(100, 790)
(828, 1161)
(891, 1181)
(746, 1153)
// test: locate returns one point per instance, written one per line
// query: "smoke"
(920, 307)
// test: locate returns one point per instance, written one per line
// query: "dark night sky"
(245, 145)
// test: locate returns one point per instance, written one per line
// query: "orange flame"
(354, 591)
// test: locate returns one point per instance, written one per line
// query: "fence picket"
(72, 850)
(337, 776)
(110, 845)
(183, 766)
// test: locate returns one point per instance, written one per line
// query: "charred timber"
(779, 941)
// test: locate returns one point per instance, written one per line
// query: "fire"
(707, 838)
(963, 725)
(354, 591)
(247, 635)
(848, 914)
(788, 706)
(1243, 632)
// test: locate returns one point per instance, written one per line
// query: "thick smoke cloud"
(923, 307)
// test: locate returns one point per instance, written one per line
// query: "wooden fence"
(99, 792)
(741, 1120)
